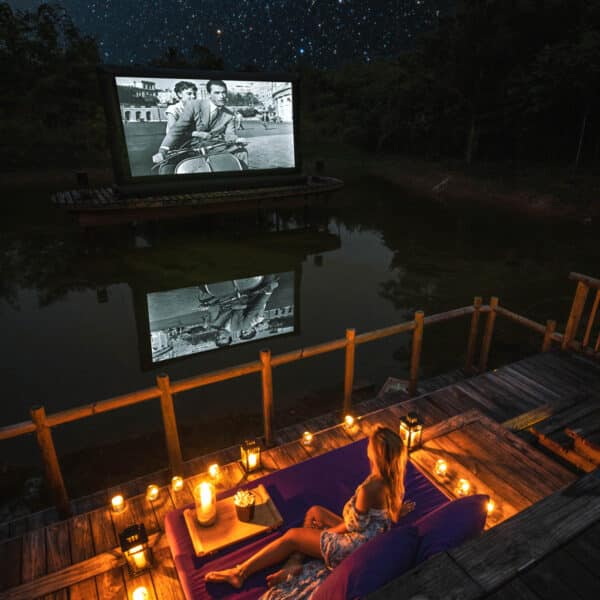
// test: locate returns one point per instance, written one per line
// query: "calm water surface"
(75, 331)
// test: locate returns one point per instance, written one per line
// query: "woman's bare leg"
(317, 517)
(300, 539)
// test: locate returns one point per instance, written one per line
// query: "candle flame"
(491, 505)
(140, 593)
(152, 492)
(118, 503)
(349, 420)
(441, 467)
(213, 471)
(177, 483)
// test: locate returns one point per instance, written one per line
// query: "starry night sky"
(270, 34)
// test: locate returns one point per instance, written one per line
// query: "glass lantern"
(411, 431)
(250, 456)
(137, 553)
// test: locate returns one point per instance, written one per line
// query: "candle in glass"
(491, 505)
(464, 487)
(307, 438)
(140, 593)
(348, 421)
(152, 492)
(214, 472)
(118, 503)
(177, 483)
(441, 467)
(206, 503)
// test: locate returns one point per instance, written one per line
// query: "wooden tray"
(228, 529)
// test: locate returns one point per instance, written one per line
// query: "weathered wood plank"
(567, 416)
(33, 563)
(164, 578)
(560, 575)
(530, 468)
(508, 549)
(58, 554)
(82, 548)
(585, 548)
(487, 405)
(11, 553)
(533, 417)
(527, 453)
(535, 388)
(514, 590)
(439, 578)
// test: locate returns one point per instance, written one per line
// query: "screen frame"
(143, 326)
(107, 75)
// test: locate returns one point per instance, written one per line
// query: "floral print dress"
(335, 547)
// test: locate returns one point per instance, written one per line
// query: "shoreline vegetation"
(536, 191)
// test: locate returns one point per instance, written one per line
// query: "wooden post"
(349, 372)
(590, 325)
(54, 477)
(472, 343)
(267, 394)
(415, 358)
(550, 329)
(170, 424)
(487, 334)
(576, 311)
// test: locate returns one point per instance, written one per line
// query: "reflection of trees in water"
(56, 263)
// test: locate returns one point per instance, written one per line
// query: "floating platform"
(106, 206)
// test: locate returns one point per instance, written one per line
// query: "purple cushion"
(450, 525)
(328, 480)
(374, 564)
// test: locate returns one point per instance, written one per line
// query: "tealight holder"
(177, 483)
(463, 487)
(152, 492)
(307, 438)
(117, 503)
(441, 468)
(214, 472)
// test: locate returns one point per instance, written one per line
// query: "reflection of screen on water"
(189, 125)
(216, 315)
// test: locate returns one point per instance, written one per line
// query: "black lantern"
(250, 456)
(411, 430)
(137, 553)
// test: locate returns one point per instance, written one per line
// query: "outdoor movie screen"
(187, 126)
(216, 315)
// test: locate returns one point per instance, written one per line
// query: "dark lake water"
(75, 329)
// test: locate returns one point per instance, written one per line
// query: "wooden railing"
(42, 424)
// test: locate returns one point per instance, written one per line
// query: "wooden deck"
(480, 425)
(105, 206)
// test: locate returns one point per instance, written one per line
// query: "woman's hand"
(407, 507)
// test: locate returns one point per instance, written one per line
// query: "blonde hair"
(390, 457)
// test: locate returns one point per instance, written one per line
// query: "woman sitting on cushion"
(376, 502)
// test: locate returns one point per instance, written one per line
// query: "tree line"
(515, 80)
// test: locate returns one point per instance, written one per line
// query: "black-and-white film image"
(182, 127)
(215, 315)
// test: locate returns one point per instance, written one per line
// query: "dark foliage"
(501, 80)
(49, 107)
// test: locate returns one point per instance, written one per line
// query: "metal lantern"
(250, 456)
(137, 553)
(411, 430)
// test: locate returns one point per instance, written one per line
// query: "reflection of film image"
(214, 315)
(179, 126)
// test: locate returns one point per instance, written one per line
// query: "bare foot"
(231, 576)
(282, 575)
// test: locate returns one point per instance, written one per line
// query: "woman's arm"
(341, 528)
